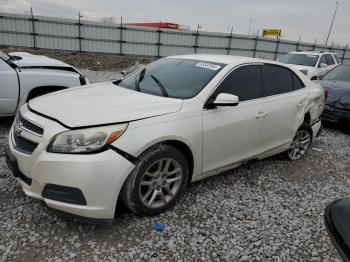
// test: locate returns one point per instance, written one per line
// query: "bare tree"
(108, 20)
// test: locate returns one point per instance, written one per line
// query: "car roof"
(224, 59)
(312, 52)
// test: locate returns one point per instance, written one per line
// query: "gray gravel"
(270, 210)
(100, 76)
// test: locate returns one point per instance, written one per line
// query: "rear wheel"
(301, 143)
(157, 181)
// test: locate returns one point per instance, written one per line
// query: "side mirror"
(224, 99)
(131, 69)
(337, 220)
(322, 65)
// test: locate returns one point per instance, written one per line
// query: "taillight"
(326, 93)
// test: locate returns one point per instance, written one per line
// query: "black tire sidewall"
(130, 191)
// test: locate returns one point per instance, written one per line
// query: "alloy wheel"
(160, 183)
(300, 144)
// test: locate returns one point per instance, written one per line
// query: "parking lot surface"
(270, 210)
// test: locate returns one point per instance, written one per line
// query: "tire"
(157, 181)
(301, 143)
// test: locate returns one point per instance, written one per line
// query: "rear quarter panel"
(315, 101)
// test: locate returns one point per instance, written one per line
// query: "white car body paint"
(219, 139)
(315, 72)
(29, 73)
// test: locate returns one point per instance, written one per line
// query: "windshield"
(299, 59)
(340, 73)
(4, 56)
(179, 78)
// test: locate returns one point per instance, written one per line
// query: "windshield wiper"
(138, 79)
(162, 88)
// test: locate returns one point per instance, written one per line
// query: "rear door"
(330, 62)
(283, 105)
(229, 132)
(9, 89)
(322, 70)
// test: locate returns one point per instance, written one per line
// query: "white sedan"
(143, 139)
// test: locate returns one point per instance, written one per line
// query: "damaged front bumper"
(336, 115)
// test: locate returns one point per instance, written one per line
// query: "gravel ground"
(270, 210)
(91, 61)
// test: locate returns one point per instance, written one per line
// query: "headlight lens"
(85, 140)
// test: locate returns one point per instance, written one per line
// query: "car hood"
(338, 93)
(302, 67)
(30, 60)
(103, 103)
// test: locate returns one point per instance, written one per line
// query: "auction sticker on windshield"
(208, 66)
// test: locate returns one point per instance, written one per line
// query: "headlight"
(85, 140)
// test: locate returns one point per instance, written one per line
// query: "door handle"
(261, 115)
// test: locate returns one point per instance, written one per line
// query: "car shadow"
(336, 127)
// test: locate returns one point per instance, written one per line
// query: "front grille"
(23, 145)
(29, 126)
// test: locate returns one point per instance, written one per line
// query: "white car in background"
(314, 64)
(144, 138)
(24, 76)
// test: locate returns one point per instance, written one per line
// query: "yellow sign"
(272, 32)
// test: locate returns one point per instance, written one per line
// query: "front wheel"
(157, 181)
(301, 143)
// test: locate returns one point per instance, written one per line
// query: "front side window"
(172, 77)
(340, 73)
(244, 82)
(329, 60)
(299, 59)
(277, 80)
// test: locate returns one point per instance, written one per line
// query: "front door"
(229, 132)
(9, 89)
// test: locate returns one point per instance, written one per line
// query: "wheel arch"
(177, 143)
(186, 150)
(307, 121)
(307, 118)
(36, 91)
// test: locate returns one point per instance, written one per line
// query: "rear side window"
(277, 80)
(297, 82)
(322, 60)
(244, 82)
(329, 60)
(336, 58)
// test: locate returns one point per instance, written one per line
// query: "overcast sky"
(309, 18)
